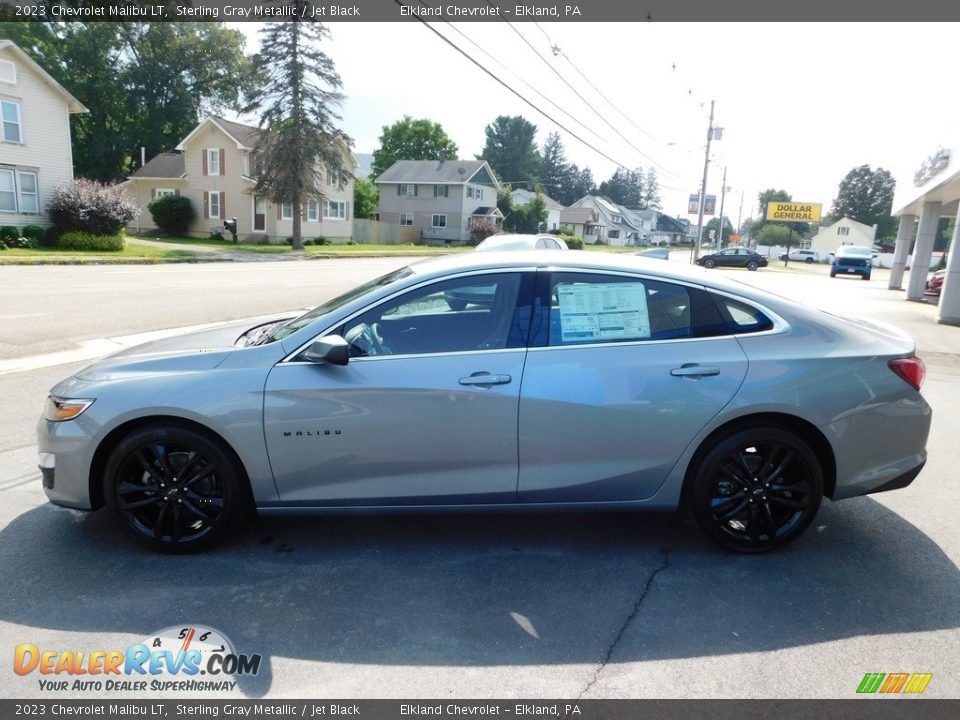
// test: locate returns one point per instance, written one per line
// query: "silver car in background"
(518, 241)
(586, 382)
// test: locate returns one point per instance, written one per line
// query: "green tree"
(297, 97)
(768, 196)
(580, 183)
(624, 187)
(410, 139)
(366, 198)
(650, 196)
(555, 171)
(866, 196)
(145, 84)
(511, 151)
(774, 234)
(530, 217)
(713, 226)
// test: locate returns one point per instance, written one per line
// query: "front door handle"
(694, 370)
(485, 378)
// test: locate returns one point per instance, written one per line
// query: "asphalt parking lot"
(501, 606)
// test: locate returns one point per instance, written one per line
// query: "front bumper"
(65, 454)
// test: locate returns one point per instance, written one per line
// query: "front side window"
(8, 191)
(29, 193)
(439, 221)
(10, 114)
(460, 315)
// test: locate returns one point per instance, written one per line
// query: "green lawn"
(58, 255)
(325, 250)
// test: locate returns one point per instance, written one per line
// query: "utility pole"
(703, 187)
(723, 195)
(740, 216)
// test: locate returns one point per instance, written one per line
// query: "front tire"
(752, 265)
(173, 489)
(709, 263)
(756, 489)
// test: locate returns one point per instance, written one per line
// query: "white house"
(843, 232)
(522, 197)
(35, 150)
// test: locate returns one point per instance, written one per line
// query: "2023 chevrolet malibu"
(581, 382)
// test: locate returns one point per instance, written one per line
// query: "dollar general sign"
(794, 212)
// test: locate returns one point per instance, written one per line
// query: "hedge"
(82, 240)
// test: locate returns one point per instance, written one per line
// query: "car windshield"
(283, 330)
(854, 251)
(512, 244)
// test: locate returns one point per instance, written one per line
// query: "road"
(572, 605)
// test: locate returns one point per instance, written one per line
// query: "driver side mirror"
(331, 349)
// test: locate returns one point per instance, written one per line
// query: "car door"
(622, 372)
(424, 412)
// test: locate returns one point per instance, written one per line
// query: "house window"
(439, 221)
(10, 113)
(8, 193)
(469, 191)
(163, 192)
(8, 72)
(214, 205)
(409, 190)
(479, 193)
(335, 210)
(286, 211)
(440, 191)
(333, 178)
(29, 194)
(406, 218)
(613, 234)
(843, 231)
(313, 209)
(213, 162)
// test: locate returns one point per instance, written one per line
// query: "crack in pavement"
(626, 623)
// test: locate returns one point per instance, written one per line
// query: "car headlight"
(58, 409)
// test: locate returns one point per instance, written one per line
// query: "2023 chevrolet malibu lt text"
(583, 382)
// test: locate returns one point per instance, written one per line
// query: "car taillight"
(911, 369)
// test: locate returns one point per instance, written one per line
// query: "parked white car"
(807, 256)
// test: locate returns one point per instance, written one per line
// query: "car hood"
(191, 352)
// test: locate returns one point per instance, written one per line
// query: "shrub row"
(29, 236)
(83, 240)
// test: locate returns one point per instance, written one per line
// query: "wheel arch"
(806, 430)
(102, 454)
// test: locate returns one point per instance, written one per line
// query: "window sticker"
(603, 312)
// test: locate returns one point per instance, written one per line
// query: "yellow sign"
(794, 211)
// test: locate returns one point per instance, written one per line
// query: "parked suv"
(808, 256)
(852, 260)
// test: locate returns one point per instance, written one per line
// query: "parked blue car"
(852, 260)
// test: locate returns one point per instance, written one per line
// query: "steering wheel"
(367, 339)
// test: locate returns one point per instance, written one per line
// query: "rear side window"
(740, 317)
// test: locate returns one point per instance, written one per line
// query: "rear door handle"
(694, 370)
(484, 378)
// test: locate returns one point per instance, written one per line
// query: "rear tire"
(808, 260)
(174, 489)
(709, 263)
(832, 274)
(756, 489)
(752, 265)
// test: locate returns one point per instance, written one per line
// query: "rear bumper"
(901, 481)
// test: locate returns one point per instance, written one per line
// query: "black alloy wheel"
(709, 263)
(173, 489)
(757, 489)
(752, 265)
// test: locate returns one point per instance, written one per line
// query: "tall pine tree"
(297, 97)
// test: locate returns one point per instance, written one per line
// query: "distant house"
(522, 197)
(580, 221)
(616, 225)
(443, 199)
(216, 167)
(36, 154)
(667, 231)
(843, 232)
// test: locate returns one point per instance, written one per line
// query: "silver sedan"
(582, 382)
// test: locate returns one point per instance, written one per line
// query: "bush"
(598, 241)
(22, 242)
(9, 235)
(172, 213)
(320, 240)
(88, 205)
(573, 242)
(480, 231)
(83, 240)
(33, 232)
(215, 234)
(50, 237)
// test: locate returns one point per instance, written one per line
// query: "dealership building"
(932, 192)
